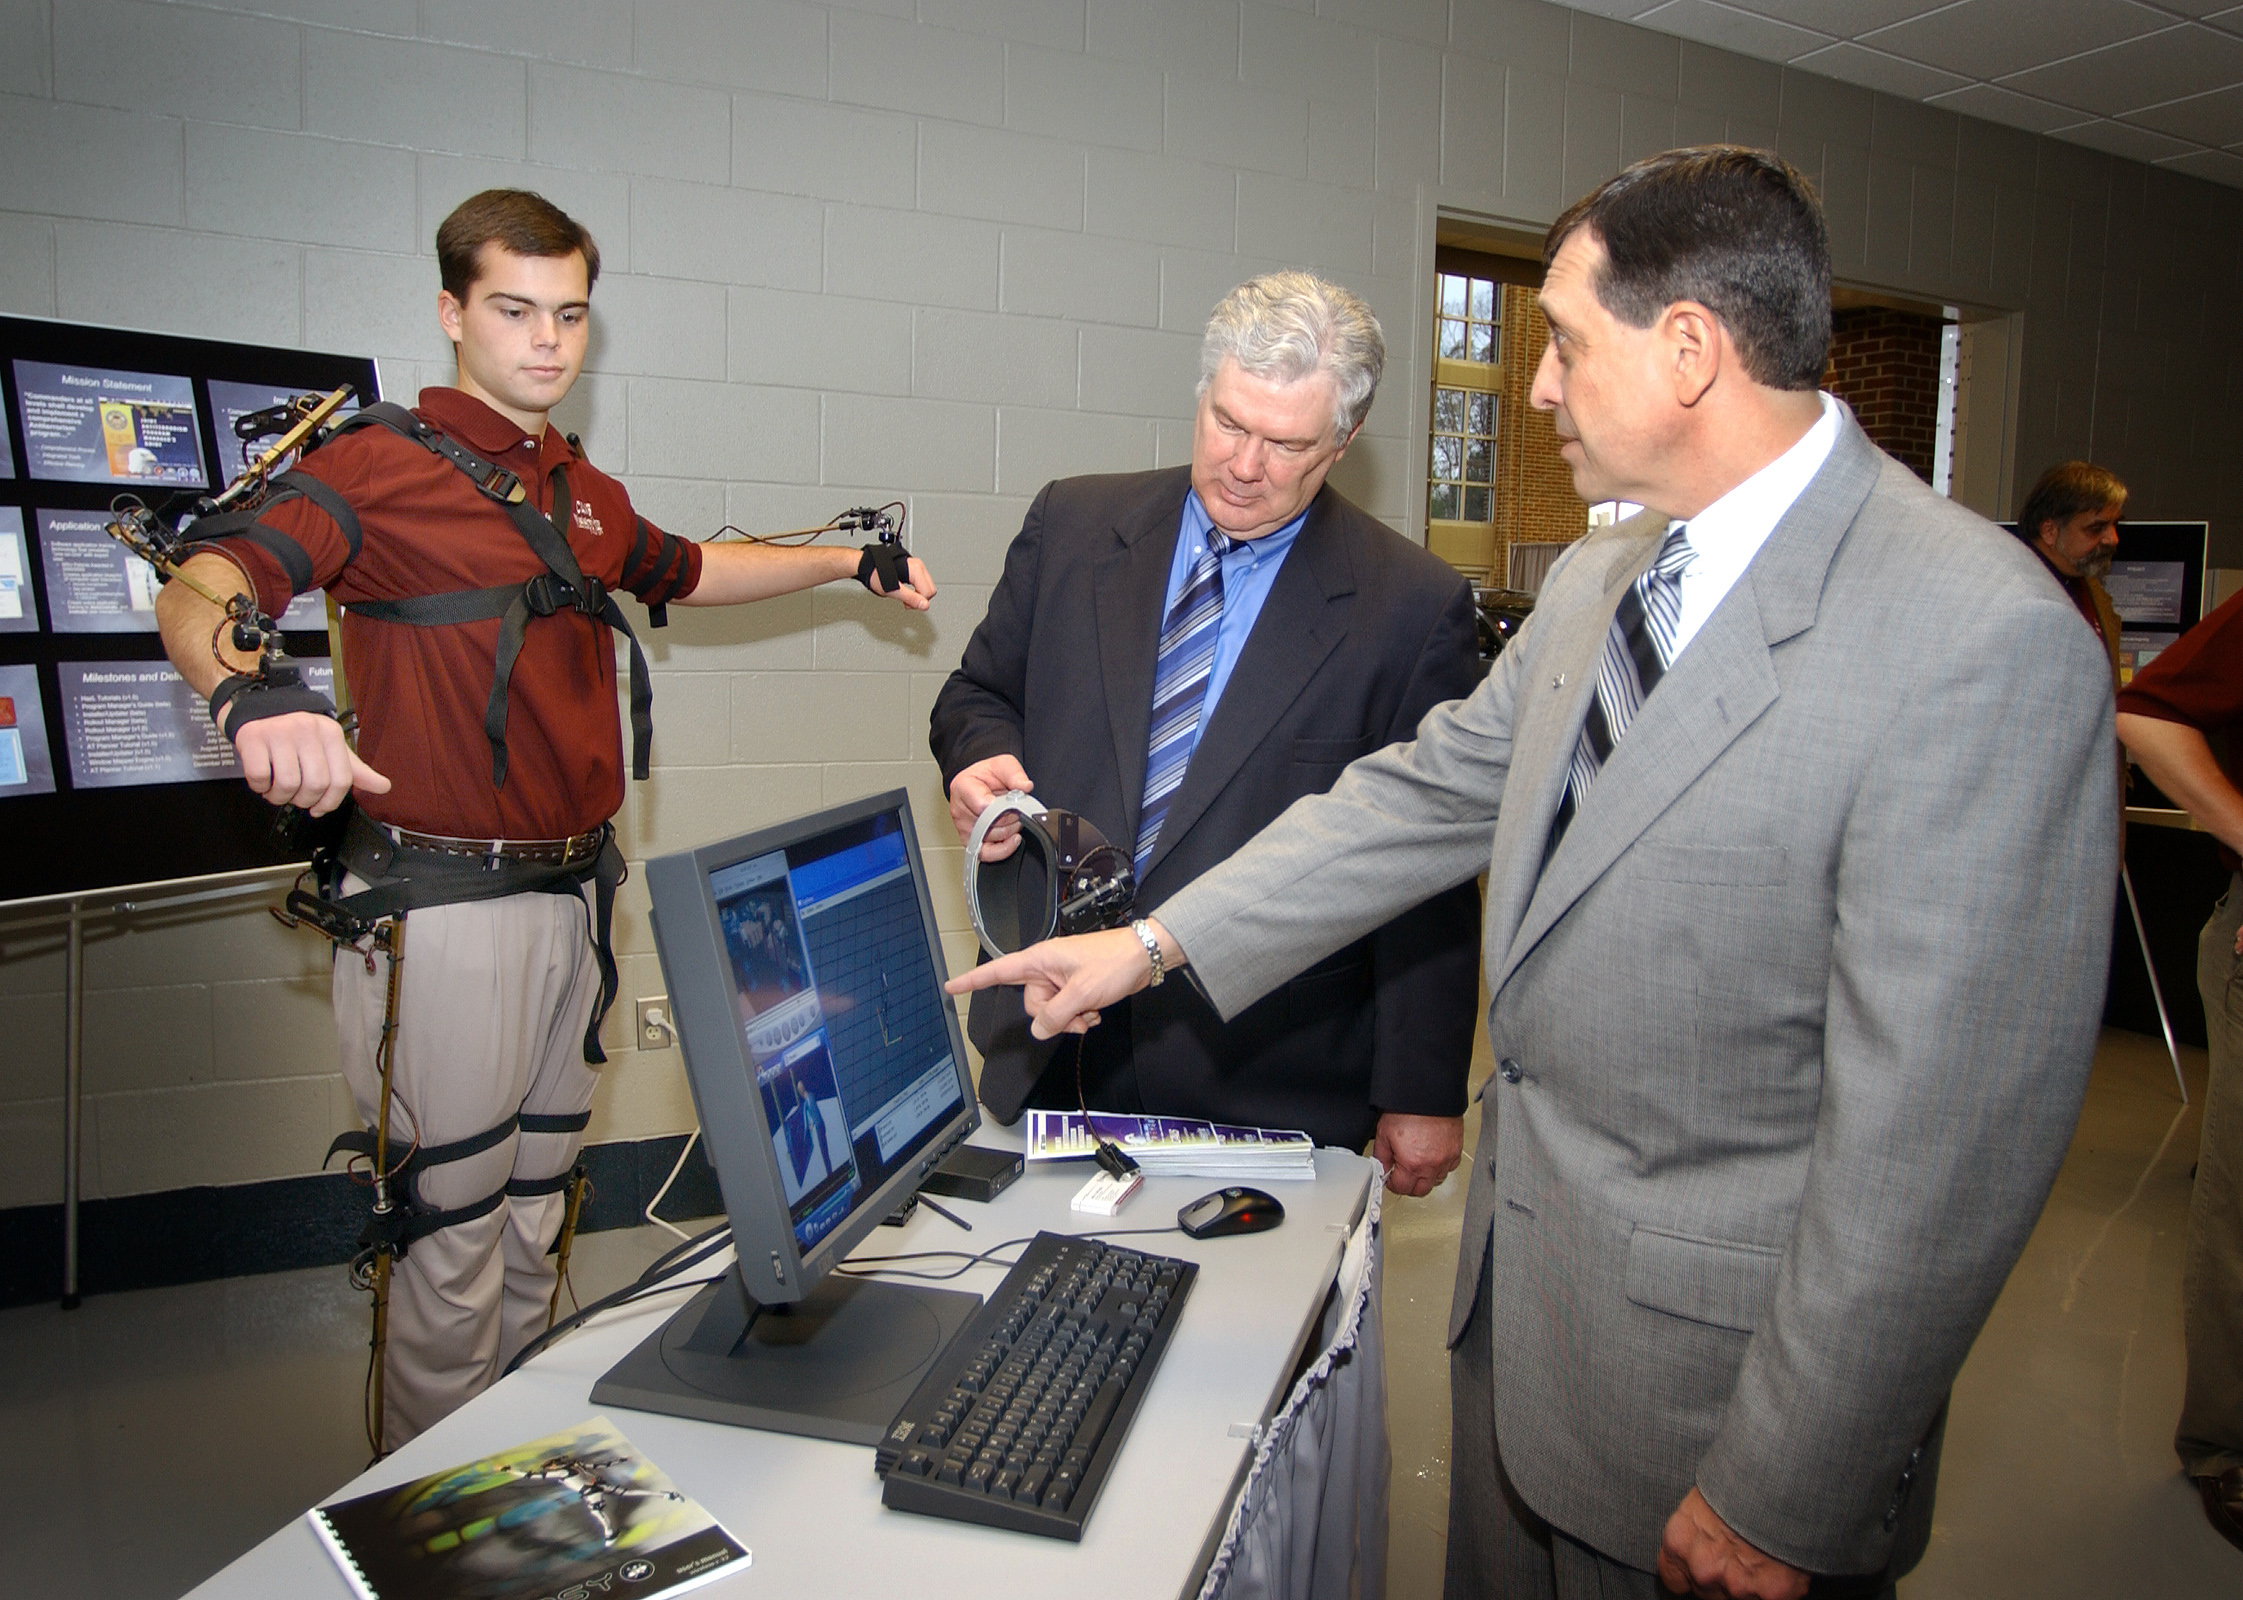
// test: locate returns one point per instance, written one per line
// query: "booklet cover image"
(575, 1508)
(94, 425)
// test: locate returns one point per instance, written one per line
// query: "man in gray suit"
(1802, 834)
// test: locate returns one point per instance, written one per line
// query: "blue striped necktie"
(1638, 649)
(1187, 655)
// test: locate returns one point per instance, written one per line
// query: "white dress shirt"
(1729, 533)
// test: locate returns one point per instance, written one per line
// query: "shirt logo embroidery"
(586, 520)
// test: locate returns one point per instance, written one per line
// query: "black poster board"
(110, 772)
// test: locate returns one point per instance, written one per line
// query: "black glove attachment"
(892, 564)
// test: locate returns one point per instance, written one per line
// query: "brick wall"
(1534, 498)
(1885, 364)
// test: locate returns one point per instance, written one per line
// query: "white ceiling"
(2159, 82)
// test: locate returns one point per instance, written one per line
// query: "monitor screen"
(805, 974)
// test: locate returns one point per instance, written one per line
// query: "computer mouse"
(1228, 1211)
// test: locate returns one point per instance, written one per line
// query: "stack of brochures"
(1173, 1147)
(576, 1513)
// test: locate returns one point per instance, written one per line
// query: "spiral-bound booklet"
(579, 1510)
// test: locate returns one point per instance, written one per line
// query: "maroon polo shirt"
(2197, 681)
(420, 692)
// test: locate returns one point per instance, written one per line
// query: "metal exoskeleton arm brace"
(160, 543)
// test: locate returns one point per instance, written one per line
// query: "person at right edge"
(2180, 717)
(1795, 801)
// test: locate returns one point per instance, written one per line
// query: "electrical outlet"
(654, 1023)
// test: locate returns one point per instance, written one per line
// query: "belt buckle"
(493, 853)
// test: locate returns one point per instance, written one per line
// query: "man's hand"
(1699, 1555)
(970, 794)
(302, 759)
(1417, 1152)
(1065, 982)
(918, 587)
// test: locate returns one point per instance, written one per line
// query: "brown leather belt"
(568, 852)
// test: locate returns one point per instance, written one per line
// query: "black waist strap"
(401, 878)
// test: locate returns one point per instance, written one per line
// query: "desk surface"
(810, 1509)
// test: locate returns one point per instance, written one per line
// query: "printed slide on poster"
(2137, 649)
(18, 612)
(27, 765)
(133, 722)
(2148, 594)
(94, 584)
(94, 425)
(307, 612)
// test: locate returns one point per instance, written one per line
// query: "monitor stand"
(837, 1364)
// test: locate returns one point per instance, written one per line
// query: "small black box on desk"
(972, 1172)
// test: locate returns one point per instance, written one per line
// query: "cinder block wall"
(942, 249)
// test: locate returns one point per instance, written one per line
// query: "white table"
(810, 1509)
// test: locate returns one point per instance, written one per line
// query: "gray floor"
(161, 1433)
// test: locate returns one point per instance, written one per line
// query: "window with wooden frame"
(1467, 406)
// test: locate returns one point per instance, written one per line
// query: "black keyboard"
(1020, 1422)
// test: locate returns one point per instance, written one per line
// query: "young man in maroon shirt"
(456, 781)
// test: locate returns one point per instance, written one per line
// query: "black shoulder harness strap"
(561, 587)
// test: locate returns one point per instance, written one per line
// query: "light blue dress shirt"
(1249, 568)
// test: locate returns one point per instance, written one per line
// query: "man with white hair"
(1179, 655)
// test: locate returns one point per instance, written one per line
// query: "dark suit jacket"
(1362, 634)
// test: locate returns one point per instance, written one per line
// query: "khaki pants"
(491, 1017)
(2209, 1439)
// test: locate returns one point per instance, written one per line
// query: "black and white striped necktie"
(1638, 649)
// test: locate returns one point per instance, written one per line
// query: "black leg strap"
(360, 1142)
(532, 1188)
(415, 1218)
(554, 1122)
(420, 1224)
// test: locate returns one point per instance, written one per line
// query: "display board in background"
(111, 773)
(2156, 585)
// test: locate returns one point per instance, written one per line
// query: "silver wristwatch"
(1146, 937)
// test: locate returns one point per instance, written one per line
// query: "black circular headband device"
(1064, 879)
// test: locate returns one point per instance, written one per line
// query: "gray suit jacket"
(1792, 1025)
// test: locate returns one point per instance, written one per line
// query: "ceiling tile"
(1732, 29)
(2007, 107)
(2123, 139)
(2196, 8)
(2140, 72)
(2228, 17)
(2213, 119)
(2221, 166)
(1872, 69)
(1993, 38)
(1844, 19)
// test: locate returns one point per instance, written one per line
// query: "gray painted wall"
(944, 249)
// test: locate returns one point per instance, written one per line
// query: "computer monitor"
(805, 977)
